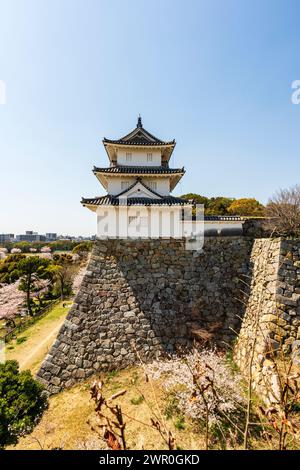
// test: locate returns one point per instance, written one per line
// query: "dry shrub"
(283, 212)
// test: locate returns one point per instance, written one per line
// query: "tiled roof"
(223, 217)
(141, 170)
(139, 136)
(141, 201)
(138, 140)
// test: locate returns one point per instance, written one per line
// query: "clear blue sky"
(215, 75)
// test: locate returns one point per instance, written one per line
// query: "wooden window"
(128, 157)
(149, 157)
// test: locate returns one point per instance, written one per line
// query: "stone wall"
(272, 317)
(146, 298)
(288, 296)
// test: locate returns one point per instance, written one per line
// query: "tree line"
(59, 245)
(281, 213)
(228, 206)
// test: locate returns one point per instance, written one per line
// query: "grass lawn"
(68, 421)
(31, 345)
(77, 408)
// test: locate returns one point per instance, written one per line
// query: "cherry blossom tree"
(11, 300)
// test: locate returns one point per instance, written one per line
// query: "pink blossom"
(11, 300)
(204, 370)
(46, 249)
(16, 250)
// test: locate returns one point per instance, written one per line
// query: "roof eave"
(101, 178)
(99, 171)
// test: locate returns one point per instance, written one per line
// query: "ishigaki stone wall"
(147, 298)
(272, 317)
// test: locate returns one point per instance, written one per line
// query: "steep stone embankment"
(146, 298)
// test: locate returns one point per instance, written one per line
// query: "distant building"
(31, 236)
(6, 237)
(51, 237)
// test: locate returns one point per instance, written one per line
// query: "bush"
(83, 248)
(22, 403)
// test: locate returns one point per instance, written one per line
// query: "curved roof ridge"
(141, 136)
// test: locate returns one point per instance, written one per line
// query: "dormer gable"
(138, 189)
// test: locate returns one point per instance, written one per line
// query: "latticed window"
(132, 220)
(125, 184)
(128, 157)
(149, 157)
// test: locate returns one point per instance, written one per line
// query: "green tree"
(218, 205)
(197, 198)
(22, 403)
(63, 245)
(8, 268)
(31, 269)
(61, 273)
(24, 246)
(246, 207)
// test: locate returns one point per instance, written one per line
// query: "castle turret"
(139, 178)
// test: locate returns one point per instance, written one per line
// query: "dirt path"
(32, 345)
(44, 345)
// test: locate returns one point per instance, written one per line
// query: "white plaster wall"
(150, 222)
(139, 157)
(224, 225)
(115, 186)
(163, 185)
(236, 226)
(114, 183)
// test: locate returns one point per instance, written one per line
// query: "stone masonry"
(145, 298)
(272, 316)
